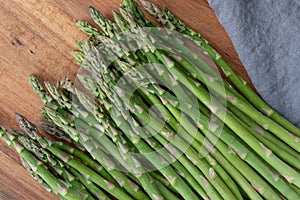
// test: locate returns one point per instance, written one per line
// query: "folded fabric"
(266, 35)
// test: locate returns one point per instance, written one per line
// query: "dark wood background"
(37, 37)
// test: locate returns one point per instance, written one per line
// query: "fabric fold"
(266, 35)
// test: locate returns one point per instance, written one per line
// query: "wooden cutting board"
(37, 37)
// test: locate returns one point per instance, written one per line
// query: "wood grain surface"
(37, 37)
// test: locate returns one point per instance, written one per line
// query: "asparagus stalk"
(71, 161)
(87, 160)
(266, 122)
(201, 165)
(203, 120)
(157, 161)
(58, 186)
(252, 177)
(170, 21)
(222, 189)
(105, 24)
(280, 152)
(91, 31)
(50, 128)
(98, 153)
(143, 22)
(243, 151)
(204, 97)
(267, 190)
(99, 194)
(90, 85)
(54, 131)
(240, 130)
(188, 127)
(51, 102)
(61, 124)
(262, 152)
(248, 120)
(38, 178)
(116, 135)
(144, 178)
(168, 172)
(165, 192)
(40, 90)
(59, 168)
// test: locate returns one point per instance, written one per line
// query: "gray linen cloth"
(266, 35)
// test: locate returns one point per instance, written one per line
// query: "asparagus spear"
(242, 150)
(188, 126)
(38, 178)
(49, 160)
(263, 133)
(278, 150)
(56, 98)
(90, 85)
(267, 190)
(54, 131)
(116, 135)
(84, 26)
(168, 172)
(56, 93)
(89, 146)
(195, 116)
(50, 128)
(204, 97)
(99, 194)
(133, 8)
(71, 161)
(267, 123)
(177, 183)
(170, 21)
(123, 112)
(63, 109)
(40, 90)
(98, 153)
(58, 186)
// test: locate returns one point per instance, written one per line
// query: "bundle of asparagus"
(173, 129)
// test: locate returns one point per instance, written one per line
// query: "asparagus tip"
(2, 131)
(21, 119)
(18, 116)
